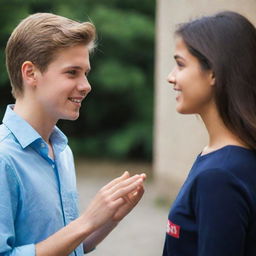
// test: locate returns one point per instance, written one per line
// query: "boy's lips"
(76, 99)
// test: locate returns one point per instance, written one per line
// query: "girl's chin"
(179, 109)
(182, 110)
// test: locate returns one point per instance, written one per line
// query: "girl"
(214, 214)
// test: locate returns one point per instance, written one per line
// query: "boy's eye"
(72, 72)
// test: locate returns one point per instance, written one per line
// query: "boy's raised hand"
(115, 200)
(131, 200)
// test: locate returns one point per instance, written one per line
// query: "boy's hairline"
(91, 44)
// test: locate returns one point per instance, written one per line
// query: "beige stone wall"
(179, 138)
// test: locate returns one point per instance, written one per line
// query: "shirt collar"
(26, 134)
(58, 139)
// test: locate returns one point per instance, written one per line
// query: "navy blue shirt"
(214, 213)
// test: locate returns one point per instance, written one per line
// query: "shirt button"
(53, 165)
(42, 145)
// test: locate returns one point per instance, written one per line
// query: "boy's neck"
(32, 114)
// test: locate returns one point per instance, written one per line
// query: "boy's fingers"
(118, 202)
(139, 193)
(117, 180)
(121, 190)
(143, 176)
(123, 183)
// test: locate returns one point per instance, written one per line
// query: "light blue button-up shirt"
(37, 194)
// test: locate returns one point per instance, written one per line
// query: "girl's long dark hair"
(226, 44)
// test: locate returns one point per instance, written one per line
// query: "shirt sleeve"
(222, 209)
(9, 203)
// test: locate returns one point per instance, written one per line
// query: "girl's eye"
(180, 64)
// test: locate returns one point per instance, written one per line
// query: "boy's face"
(61, 89)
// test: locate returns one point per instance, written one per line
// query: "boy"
(47, 58)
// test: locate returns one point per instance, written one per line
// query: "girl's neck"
(219, 134)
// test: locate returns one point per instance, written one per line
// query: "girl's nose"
(171, 77)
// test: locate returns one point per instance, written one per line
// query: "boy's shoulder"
(4, 133)
(5, 140)
(8, 142)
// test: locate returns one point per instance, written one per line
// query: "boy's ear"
(28, 71)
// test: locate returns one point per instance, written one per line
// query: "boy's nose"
(84, 86)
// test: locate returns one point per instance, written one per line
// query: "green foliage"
(116, 119)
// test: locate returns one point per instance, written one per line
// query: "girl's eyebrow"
(176, 56)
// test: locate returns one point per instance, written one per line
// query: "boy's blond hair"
(38, 39)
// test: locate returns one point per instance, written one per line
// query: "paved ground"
(142, 232)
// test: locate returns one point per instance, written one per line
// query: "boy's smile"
(76, 100)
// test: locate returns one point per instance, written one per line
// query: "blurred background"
(128, 121)
(116, 120)
(114, 131)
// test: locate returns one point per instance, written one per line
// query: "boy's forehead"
(77, 57)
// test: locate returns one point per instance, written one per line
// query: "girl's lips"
(177, 93)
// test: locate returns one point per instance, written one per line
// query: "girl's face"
(193, 85)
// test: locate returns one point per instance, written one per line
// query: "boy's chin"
(71, 118)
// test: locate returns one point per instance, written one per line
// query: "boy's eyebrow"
(78, 67)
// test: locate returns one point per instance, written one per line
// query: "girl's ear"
(213, 80)
(28, 71)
